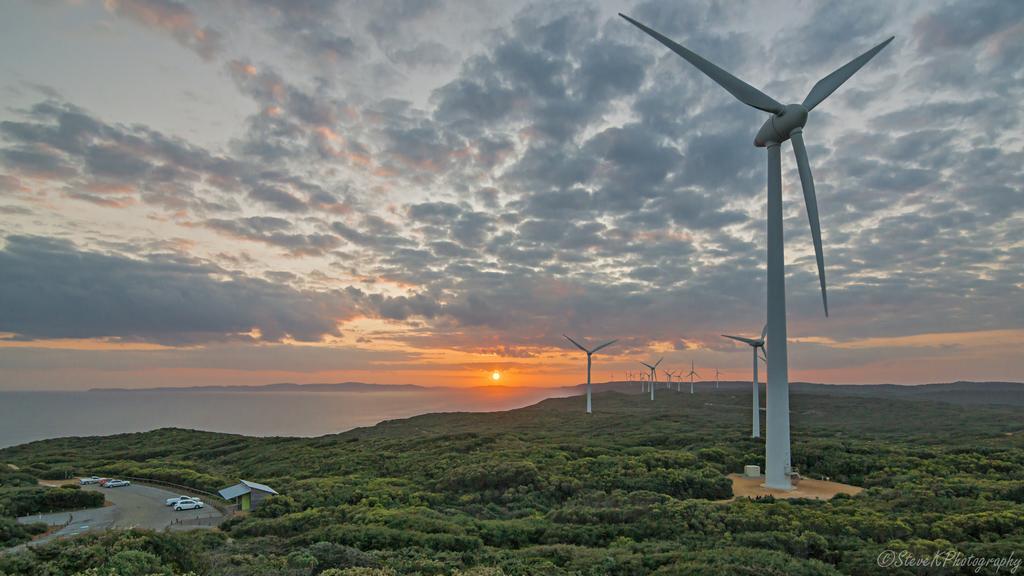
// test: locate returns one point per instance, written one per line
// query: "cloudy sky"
(256, 191)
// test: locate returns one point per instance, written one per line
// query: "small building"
(247, 494)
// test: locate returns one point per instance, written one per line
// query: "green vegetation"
(636, 488)
(21, 496)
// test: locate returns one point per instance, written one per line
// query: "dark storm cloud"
(405, 307)
(276, 232)
(37, 162)
(451, 222)
(553, 73)
(434, 212)
(114, 162)
(106, 162)
(965, 23)
(51, 289)
(833, 33)
(555, 203)
(373, 233)
(694, 211)
(389, 16)
(278, 198)
(311, 25)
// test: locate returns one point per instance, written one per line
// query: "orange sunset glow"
(401, 217)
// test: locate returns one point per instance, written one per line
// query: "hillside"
(632, 489)
(963, 393)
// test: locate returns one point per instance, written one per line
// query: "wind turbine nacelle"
(777, 128)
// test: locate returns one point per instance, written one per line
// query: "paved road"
(135, 506)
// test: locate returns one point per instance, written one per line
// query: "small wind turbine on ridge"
(754, 343)
(670, 374)
(652, 383)
(589, 354)
(691, 375)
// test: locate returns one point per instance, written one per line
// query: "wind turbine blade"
(577, 344)
(740, 339)
(741, 90)
(764, 332)
(648, 365)
(811, 201)
(763, 359)
(656, 363)
(830, 83)
(605, 345)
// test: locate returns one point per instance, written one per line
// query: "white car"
(190, 504)
(117, 484)
(176, 499)
(89, 480)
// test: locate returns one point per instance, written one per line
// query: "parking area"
(135, 506)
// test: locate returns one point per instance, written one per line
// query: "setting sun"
(495, 375)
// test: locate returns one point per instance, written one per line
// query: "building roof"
(244, 487)
(258, 486)
(232, 492)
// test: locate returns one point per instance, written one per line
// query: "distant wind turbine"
(589, 354)
(754, 343)
(785, 123)
(654, 375)
(691, 375)
(670, 374)
(717, 374)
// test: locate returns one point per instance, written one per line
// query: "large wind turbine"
(589, 354)
(691, 375)
(654, 375)
(754, 344)
(785, 123)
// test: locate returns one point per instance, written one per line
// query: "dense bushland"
(636, 488)
(27, 500)
(20, 495)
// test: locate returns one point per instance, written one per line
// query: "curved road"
(135, 506)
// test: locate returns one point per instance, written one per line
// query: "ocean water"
(29, 416)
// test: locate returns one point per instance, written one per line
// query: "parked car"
(116, 483)
(190, 504)
(103, 481)
(89, 480)
(176, 499)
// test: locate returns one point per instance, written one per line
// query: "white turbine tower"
(785, 123)
(717, 374)
(691, 375)
(754, 344)
(654, 375)
(589, 354)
